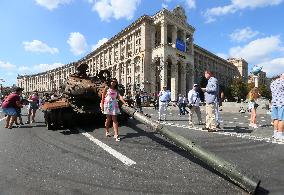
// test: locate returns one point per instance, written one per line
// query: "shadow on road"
(162, 141)
(237, 129)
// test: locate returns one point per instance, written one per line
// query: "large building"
(152, 52)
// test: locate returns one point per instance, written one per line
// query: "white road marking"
(233, 134)
(2, 119)
(246, 116)
(236, 118)
(263, 120)
(127, 161)
(231, 122)
(241, 123)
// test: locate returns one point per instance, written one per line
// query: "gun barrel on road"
(250, 184)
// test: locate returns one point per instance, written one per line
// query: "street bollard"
(220, 165)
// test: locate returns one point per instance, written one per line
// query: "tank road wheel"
(48, 120)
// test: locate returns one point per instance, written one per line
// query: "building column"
(163, 72)
(183, 79)
(164, 33)
(174, 36)
(174, 82)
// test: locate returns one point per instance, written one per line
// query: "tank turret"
(79, 99)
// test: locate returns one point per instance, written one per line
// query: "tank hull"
(79, 103)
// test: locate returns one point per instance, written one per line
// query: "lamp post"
(255, 71)
(158, 67)
(1, 87)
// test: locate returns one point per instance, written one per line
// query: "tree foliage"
(238, 89)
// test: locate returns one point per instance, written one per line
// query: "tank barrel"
(225, 168)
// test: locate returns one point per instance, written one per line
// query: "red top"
(10, 101)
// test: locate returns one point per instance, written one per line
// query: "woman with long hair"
(110, 107)
(253, 95)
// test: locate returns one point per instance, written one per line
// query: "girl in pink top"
(109, 106)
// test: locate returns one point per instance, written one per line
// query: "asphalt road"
(34, 160)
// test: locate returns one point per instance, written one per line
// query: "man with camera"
(193, 104)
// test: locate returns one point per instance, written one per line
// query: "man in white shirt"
(193, 101)
(164, 99)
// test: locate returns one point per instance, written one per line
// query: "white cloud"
(222, 55)
(39, 47)
(191, 4)
(23, 70)
(273, 67)
(117, 9)
(45, 67)
(6, 66)
(52, 4)
(99, 43)
(243, 34)
(237, 5)
(164, 5)
(77, 42)
(258, 50)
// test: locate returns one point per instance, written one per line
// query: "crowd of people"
(14, 102)
(213, 98)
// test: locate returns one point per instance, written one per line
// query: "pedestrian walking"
(164, 99)
(19, 114)
(277, 107)
(33, 106)
(184, 104)
(180, 106)
(218, 109)
(253, 95)
(9, 106)
(109, 106)
(211, 98)
(193, 104)
(156, 102)
(138, 102)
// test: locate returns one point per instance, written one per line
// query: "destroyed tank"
(79, 100)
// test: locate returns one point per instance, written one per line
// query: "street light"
(1, 87)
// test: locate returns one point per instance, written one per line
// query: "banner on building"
(180, 45)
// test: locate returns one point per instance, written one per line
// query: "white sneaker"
(251, 124)
(254, 126)
(279, 136)
(274, 134)
(190, 126)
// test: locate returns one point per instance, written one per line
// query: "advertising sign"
(180, 45)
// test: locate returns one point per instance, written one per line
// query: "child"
(253, 95)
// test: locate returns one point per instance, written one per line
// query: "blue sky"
(37, 35)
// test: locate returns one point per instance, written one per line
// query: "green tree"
(239, 89)
(265, 91)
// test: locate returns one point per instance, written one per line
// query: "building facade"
(152, 52)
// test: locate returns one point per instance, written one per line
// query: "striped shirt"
(277, 90)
